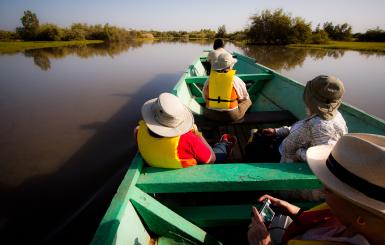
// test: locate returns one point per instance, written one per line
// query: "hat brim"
(316, 157)
(156, 127)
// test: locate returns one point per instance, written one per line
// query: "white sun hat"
(167, 116)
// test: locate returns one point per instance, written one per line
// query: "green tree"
(30, 27)
(373, 35)
(338, 32)
(300, 31)
(49, 32)
(77, 31)
(277, 28)
(221, 33)
(319, 36)
(8, 35)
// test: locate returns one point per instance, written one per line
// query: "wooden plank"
(195, 90)
(108, 229)
(229, 177)
(224, 215)
(211, 216)
(245, 77)
(131, 230)
(196, 80)
(164, 221)
(257, 117)
(200, 100)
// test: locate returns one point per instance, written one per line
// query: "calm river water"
(67, 116)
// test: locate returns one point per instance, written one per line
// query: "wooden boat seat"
(258, 117)
(224, 178)
(245, 77)
(228, 177)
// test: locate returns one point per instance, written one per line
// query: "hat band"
(358, 183)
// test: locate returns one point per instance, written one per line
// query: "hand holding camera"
(281, 206)
(266, 212)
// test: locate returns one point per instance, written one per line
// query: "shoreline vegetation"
(267, 27)
(9, 47)
(352, 45)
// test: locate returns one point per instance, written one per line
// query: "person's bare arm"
(284, 207)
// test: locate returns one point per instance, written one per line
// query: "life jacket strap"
(219, 100)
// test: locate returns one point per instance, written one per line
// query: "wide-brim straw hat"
(225, 60)
(354, 169)
(322, 96)
(167, 116)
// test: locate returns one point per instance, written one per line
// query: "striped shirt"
(309, 132)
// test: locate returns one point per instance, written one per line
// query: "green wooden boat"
(211, 204)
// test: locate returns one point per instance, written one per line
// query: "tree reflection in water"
(41, 57)
(285, 58)
(275, 57)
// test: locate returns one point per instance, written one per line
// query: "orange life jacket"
(160, 152)
(221, 92)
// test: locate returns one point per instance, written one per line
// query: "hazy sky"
(192, 14)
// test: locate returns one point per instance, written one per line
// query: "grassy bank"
(12, 47)
(361, 46)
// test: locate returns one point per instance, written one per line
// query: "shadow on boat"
(65, 207)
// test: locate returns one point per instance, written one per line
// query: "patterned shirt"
(309, 132)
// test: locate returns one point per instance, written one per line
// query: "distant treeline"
(269, 27)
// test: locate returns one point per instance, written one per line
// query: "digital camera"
(266, 212)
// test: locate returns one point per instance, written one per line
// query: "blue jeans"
(220, 150)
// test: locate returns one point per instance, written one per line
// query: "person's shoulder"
(339, 116)
(237, 79)
(317, 121)
(189, 136)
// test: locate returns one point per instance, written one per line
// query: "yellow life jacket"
(160, 152)
(221, 92)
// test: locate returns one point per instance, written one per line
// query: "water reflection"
(285, 58)
(41, 57)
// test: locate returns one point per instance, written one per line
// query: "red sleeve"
(192, 146)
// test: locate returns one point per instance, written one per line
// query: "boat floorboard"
(241, 131)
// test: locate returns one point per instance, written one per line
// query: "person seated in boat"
(354, 185)
(218, 48)
(323, 125)
(225, 94)
(168, 137)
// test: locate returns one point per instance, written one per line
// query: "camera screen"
(266, 212)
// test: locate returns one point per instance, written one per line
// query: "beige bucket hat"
(224, 60)
(323, 95)
(167, 116)
(354, 169)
